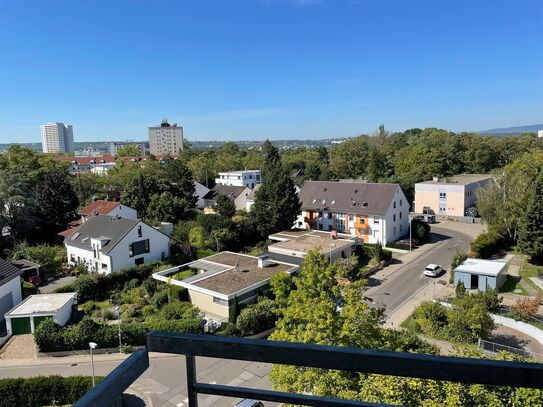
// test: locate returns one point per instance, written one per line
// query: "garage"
(29, 314)
(479, 274)
(10, 287)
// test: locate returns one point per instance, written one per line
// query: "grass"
(186, 273)
(410, 324)
(528, 270)
(512, 284)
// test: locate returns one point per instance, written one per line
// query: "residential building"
(372, 212)
(480, 274)
(165, 139)
(115, 146)
(222, 278)
(99, 207)
(109, 243)
(10, 287)
(238, 194)
(200, 191)
(29, 314)
(57, 138)
(102, 168)
(250, 200)
(246, 178)
(449, 196)
(85, 164)
(291, 246)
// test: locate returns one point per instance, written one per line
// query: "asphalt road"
(408, 279)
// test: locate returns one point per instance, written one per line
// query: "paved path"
(53, 285)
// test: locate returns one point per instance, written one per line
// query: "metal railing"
(465, 370)
(494, 347)
(111, 388)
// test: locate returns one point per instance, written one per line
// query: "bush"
(525, 308)
(201, 253)
(487, 244)
(51, 258)
(398, 245)
(43, 390)
(28, 289)
(421, 231)
(228, 329)
(256, 318)
(431, 317)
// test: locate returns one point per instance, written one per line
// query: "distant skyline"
(278, 69)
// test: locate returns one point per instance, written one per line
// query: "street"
(407, 279)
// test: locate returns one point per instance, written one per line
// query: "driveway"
(19, 347)
(53, 285)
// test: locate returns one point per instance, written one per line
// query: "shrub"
(460, 290)
(486, 244)
(51, 258)
(228, 329)
(201, 253)
(159, 298)
(256, 318)
(43, 390)
(28, 289)
(178, 310)
(468, 321)
(421, 231)
(398, 245)
(431, 317)
(525, 308)
(49, 336)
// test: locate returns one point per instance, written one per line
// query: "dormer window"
(333, 202)
(365, 204)
(323, 201)
(314, 201)
(353, 203)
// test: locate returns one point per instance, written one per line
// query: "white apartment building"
(166, 139)
(246, 178)
(57, 138)
(372, 212)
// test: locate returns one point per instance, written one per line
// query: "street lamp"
(92, 345)
(119, 326)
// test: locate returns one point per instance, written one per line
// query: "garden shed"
(480, 274)
(26, 317)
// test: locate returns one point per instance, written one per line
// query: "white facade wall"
(248, 179)
(159, 245)
(165, 140)
(124, 211)
(57, 138)
(13, 286)
(64, 314)
(199, 192)
(101, 264)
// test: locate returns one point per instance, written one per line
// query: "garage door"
(6, 303)
(20, 326)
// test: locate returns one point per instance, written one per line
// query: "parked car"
(36, 280)
(250, 403)
(432, 270)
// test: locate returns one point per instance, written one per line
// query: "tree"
(165, 207)
(55, 199)
(530, 233)
(18, 212)
(225, 206)
(128, 150)
(181, 181)
(276, 202)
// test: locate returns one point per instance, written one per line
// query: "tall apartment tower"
(166, 139)
(57, 138)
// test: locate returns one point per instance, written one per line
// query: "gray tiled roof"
(228, 190)
(348, 197)
(101, 226)
(8, 271)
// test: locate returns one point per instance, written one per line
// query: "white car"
(432, 270)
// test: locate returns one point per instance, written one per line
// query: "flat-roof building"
(480, 274)
(224, 277)
(449, 196)
(245, 178)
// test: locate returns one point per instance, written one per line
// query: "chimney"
(263, 261)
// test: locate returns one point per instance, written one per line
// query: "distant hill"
(514, 130)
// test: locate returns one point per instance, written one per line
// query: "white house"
(372, 212)
(246, 178)
(10, 287)
(108, 243)
(237, 194)
(200, 191)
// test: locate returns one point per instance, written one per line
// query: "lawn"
(530, 270)
(410, 324)
(511, 285)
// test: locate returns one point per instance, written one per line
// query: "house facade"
(106, 244)
(246, 178)
(370, 211)
(200, 191)
(449, 196)
(238, 194)
(10, 287)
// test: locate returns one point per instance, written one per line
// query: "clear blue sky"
(254, 69)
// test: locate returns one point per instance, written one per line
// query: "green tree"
(225, 206)
(165, 207)
(530, 232)
(55, 200)
(18, 211)
(128, 150)
(276, 202)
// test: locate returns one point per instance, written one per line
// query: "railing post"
(191, 381)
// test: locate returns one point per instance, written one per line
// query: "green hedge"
(51, 337)
(98, 287)
(398, 245)
(256, 318)
(43, 390)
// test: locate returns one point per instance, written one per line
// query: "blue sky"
(255, 69)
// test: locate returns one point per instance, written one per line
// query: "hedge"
(51, 337)
(398, 245)
(98, 287)
(43, 390)
(487, 244)
(256, 318)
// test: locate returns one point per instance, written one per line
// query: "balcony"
(466, 370)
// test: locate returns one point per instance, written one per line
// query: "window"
(139, 247)
(394, 205)
(442, 195)
(375, 221)
(400, 202)
(104, 266)
(401, 229)
(340, 222)
(394, 230)
(320, 214)
(139, 231)
(351, 218)
(138, 261)
(394, 218)
(220, 301)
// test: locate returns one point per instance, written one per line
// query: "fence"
(498, 347)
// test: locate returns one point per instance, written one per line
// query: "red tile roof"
(99, 207)
(87, 160)
(68, 232)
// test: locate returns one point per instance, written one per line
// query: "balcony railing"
(465, 370)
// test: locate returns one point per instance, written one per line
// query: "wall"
(124, 212)
(65, 313)
(199, 192)
(428, 195)
(241, 200)
(523, 327)
(206, 304)
(158, 243)
(484, 281)
(87, 257)
(12, 287)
